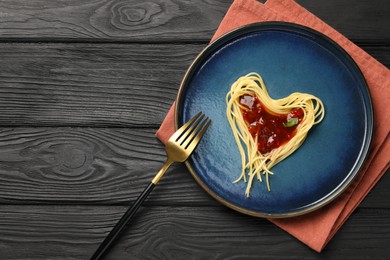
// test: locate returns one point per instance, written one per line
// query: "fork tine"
(191, 135)
(190, 130)
(191, 146)
(183, 128)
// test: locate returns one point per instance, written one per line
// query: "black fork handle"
(122, 223)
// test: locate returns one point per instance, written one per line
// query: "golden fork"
(178, 148)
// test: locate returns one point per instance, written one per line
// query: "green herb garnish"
(291, 122)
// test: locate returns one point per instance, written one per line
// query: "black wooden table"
(84, 85)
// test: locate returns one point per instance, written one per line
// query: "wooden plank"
(380, 190)
(74, 232)
(100, 166)
(88, 166)
(360, 21)
(117, 85)
(165, 20)
(111, 20)
(90, 84)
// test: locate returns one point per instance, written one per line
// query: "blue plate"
(290, 58)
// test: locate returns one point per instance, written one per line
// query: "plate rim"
(369, 114)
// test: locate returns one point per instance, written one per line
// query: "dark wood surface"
(84, 86)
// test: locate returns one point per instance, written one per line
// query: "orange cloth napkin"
(317, 228)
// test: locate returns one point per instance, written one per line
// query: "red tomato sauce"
(272, 130)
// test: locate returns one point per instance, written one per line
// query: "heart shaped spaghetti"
(270, 129)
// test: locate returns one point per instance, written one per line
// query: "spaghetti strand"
(253, 162)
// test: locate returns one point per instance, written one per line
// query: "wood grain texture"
(165, 20)
(357, 20)
(169, 233)
(84, 86)
(90, 84)
(89, 166)
(117, 20)
(99, 85)
(100, 166)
